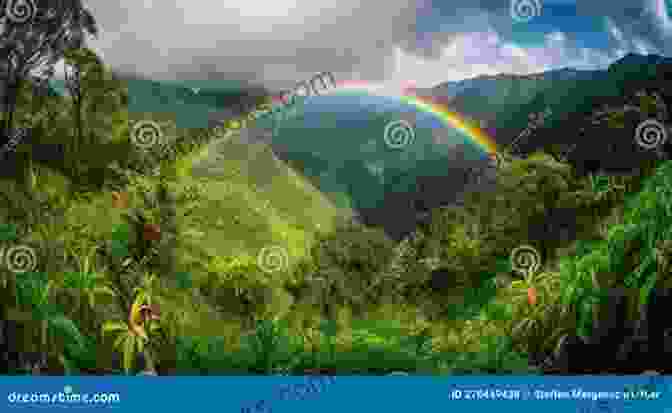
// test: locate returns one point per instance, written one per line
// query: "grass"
(272, 349)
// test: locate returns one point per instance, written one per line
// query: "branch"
(48, 42)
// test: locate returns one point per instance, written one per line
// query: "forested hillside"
(129, 240)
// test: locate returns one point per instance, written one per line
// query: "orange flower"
(151, 232)
(120, 199)
(532, 296)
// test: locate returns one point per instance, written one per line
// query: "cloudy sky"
(392, 43)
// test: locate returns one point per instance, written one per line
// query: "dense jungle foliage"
(113, 253)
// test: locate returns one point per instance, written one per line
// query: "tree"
(33, 49)
(100, 110)
(83, 71)
(533, 200)
(349, 264)
(73, 82)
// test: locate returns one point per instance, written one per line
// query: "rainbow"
(450, 119)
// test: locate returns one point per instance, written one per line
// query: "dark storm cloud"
(274, 43)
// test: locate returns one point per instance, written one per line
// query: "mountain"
(491, 98)
(578, 109)
(336, 142)
(429, 174)
(339, 142)
(505, 102)
(192, 102)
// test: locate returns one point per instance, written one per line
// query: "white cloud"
(280, 42)
(485, 53)
(615, 32)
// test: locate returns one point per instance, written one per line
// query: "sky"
(393, 44)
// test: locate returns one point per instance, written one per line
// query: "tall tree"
(99, 91)
(35, 36)
(32, 46)
(73, 83)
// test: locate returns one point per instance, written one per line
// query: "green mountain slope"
(253, 200)
(248, 200)
(507, 101)
(191, 102)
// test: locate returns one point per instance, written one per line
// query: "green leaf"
(503, 265)
(329, 328)
(120, 341)
(68, 365)
(70, 280)
(8, 232)
(119, 249)
(122, 232)
(645, 291)
(104, 289)
(501, 312)
(114, 326)
(183, 280)
(62, 326)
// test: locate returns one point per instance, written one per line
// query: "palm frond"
(62, 326)
(114, 326)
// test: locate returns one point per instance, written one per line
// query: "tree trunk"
(78, 121)
(12, 98)
(7, 119)
(5, 108)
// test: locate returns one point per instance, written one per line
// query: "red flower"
(532, 296)
(151, 232)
